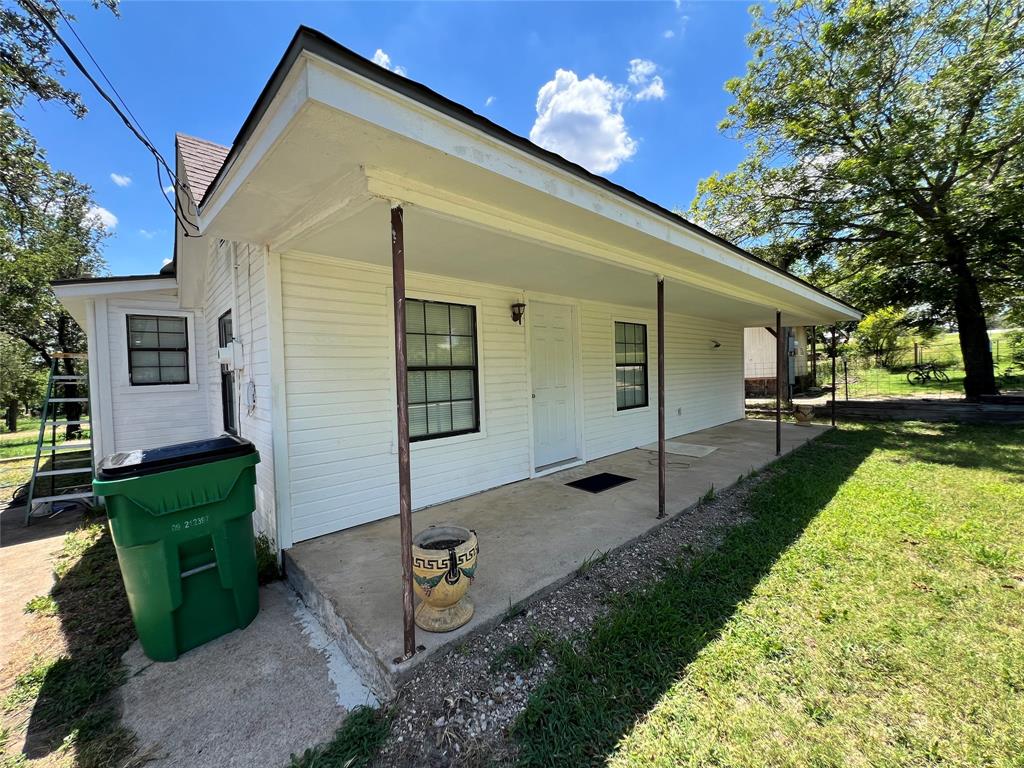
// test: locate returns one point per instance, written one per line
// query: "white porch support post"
(662, 463)
(402, 405)
(781, 364)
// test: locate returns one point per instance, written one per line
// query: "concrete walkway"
(253, 697)
(26, 563)
(533, 534)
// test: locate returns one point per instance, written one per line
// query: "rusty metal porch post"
(835, 344)
(780, 364)
(402, 406)
(662, 463)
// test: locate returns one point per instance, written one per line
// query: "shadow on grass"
(595, 695)
(997, 447)
(72, 708)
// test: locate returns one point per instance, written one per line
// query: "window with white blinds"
(442, 364)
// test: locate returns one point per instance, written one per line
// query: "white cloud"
(384, 60)
(165, 262)
(668, 34)
(582, 121)
(490, 100)
(648, 84)
(121, 181)
(101, 217)
(169, 189)
(149, 234)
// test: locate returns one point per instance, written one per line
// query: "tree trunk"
(973, 330)
(11, 416)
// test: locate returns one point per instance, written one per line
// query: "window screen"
(157, 350)
(441, 358)
(630, 365)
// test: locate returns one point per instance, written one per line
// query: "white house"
(760, 348)
(275, 319)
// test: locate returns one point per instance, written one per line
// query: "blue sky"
(646, 119)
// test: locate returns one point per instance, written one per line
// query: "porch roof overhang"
(74, 294)
(335, 140)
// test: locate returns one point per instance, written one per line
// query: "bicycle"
(925, 372)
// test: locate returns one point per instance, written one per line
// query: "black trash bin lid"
(119, 466)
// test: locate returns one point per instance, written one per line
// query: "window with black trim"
(157, 350)
(630, 365)
(440, 341)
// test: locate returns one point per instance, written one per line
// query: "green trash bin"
(181, 521)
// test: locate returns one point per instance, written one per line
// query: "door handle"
(534, 395)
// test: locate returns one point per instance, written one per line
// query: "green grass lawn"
(871, 614)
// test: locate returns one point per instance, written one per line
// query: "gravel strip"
(457, 708)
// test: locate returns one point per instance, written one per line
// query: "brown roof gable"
(201, 160)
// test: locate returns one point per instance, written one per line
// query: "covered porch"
(534, 535)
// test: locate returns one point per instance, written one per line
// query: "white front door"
(552, 362)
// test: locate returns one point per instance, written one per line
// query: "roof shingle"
(201, 159)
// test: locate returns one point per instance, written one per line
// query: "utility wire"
(132, 124)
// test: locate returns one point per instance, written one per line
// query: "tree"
(885, 157)
(27, 67)
(21, 381)
(49, 228)
(879, 335)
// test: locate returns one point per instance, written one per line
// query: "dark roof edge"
(316, 42)
(111, 279)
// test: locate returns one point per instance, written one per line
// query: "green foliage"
(885, 156)
(1015, 340)
(267, 567)
(42, 605)
(594, 559)
(881, 337)
(523, 656)
(355, 743)
(21, 380)
(29, 68)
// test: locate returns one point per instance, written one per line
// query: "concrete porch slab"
(533, 534)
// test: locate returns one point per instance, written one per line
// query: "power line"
(132, 124)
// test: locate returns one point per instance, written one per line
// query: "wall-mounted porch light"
(518, 310)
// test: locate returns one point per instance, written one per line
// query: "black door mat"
(600, 482)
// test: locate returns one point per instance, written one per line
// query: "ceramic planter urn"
(443, 567)
(804, 414)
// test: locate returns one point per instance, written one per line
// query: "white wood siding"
(339, 370)
(245, 295)
(150, 416)
(339, 357)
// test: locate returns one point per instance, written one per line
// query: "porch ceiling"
(322, 184)
(437, 245)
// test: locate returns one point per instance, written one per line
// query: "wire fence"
(918, 371)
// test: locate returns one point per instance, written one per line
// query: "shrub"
(267, 567)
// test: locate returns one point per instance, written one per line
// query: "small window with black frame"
(157, 350)
(630, 365)
(442, 369)
(227, 377)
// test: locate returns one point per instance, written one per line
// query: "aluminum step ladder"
(44, 489)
